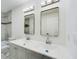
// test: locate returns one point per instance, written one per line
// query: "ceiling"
(7, 5)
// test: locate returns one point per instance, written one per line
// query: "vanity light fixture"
(55, 0)
(43, 3)
(49, 1)
(28, 9)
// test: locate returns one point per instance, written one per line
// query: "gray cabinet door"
(17, 52)
(21, 53)
(32, 55)
(13, 52)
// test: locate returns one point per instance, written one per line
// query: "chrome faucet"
(47, 40)
(28, 38)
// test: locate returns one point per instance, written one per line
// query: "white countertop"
(54, 51)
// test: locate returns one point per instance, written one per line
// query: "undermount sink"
(51, 50)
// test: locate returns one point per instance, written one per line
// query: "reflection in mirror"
(50, 22)
(29, 24)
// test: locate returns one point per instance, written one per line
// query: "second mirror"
(50, 22)
(29, 22)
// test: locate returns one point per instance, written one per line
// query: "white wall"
(18, 20)
(67, 26)
(71, 26)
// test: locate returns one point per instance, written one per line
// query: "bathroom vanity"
(53, 51)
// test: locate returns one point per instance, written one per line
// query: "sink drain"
(46, 51)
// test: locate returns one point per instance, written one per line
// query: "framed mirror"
(49, 23)
(29, 24)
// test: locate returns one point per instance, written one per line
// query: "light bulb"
(43, 3)
(55, 0)
(49, 1)
(27, 9)
(31, 7)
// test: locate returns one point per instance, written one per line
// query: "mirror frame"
(33, 24)
(41, 22)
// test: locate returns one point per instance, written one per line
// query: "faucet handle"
(47, 33)
(48, 42)
(28, 38)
